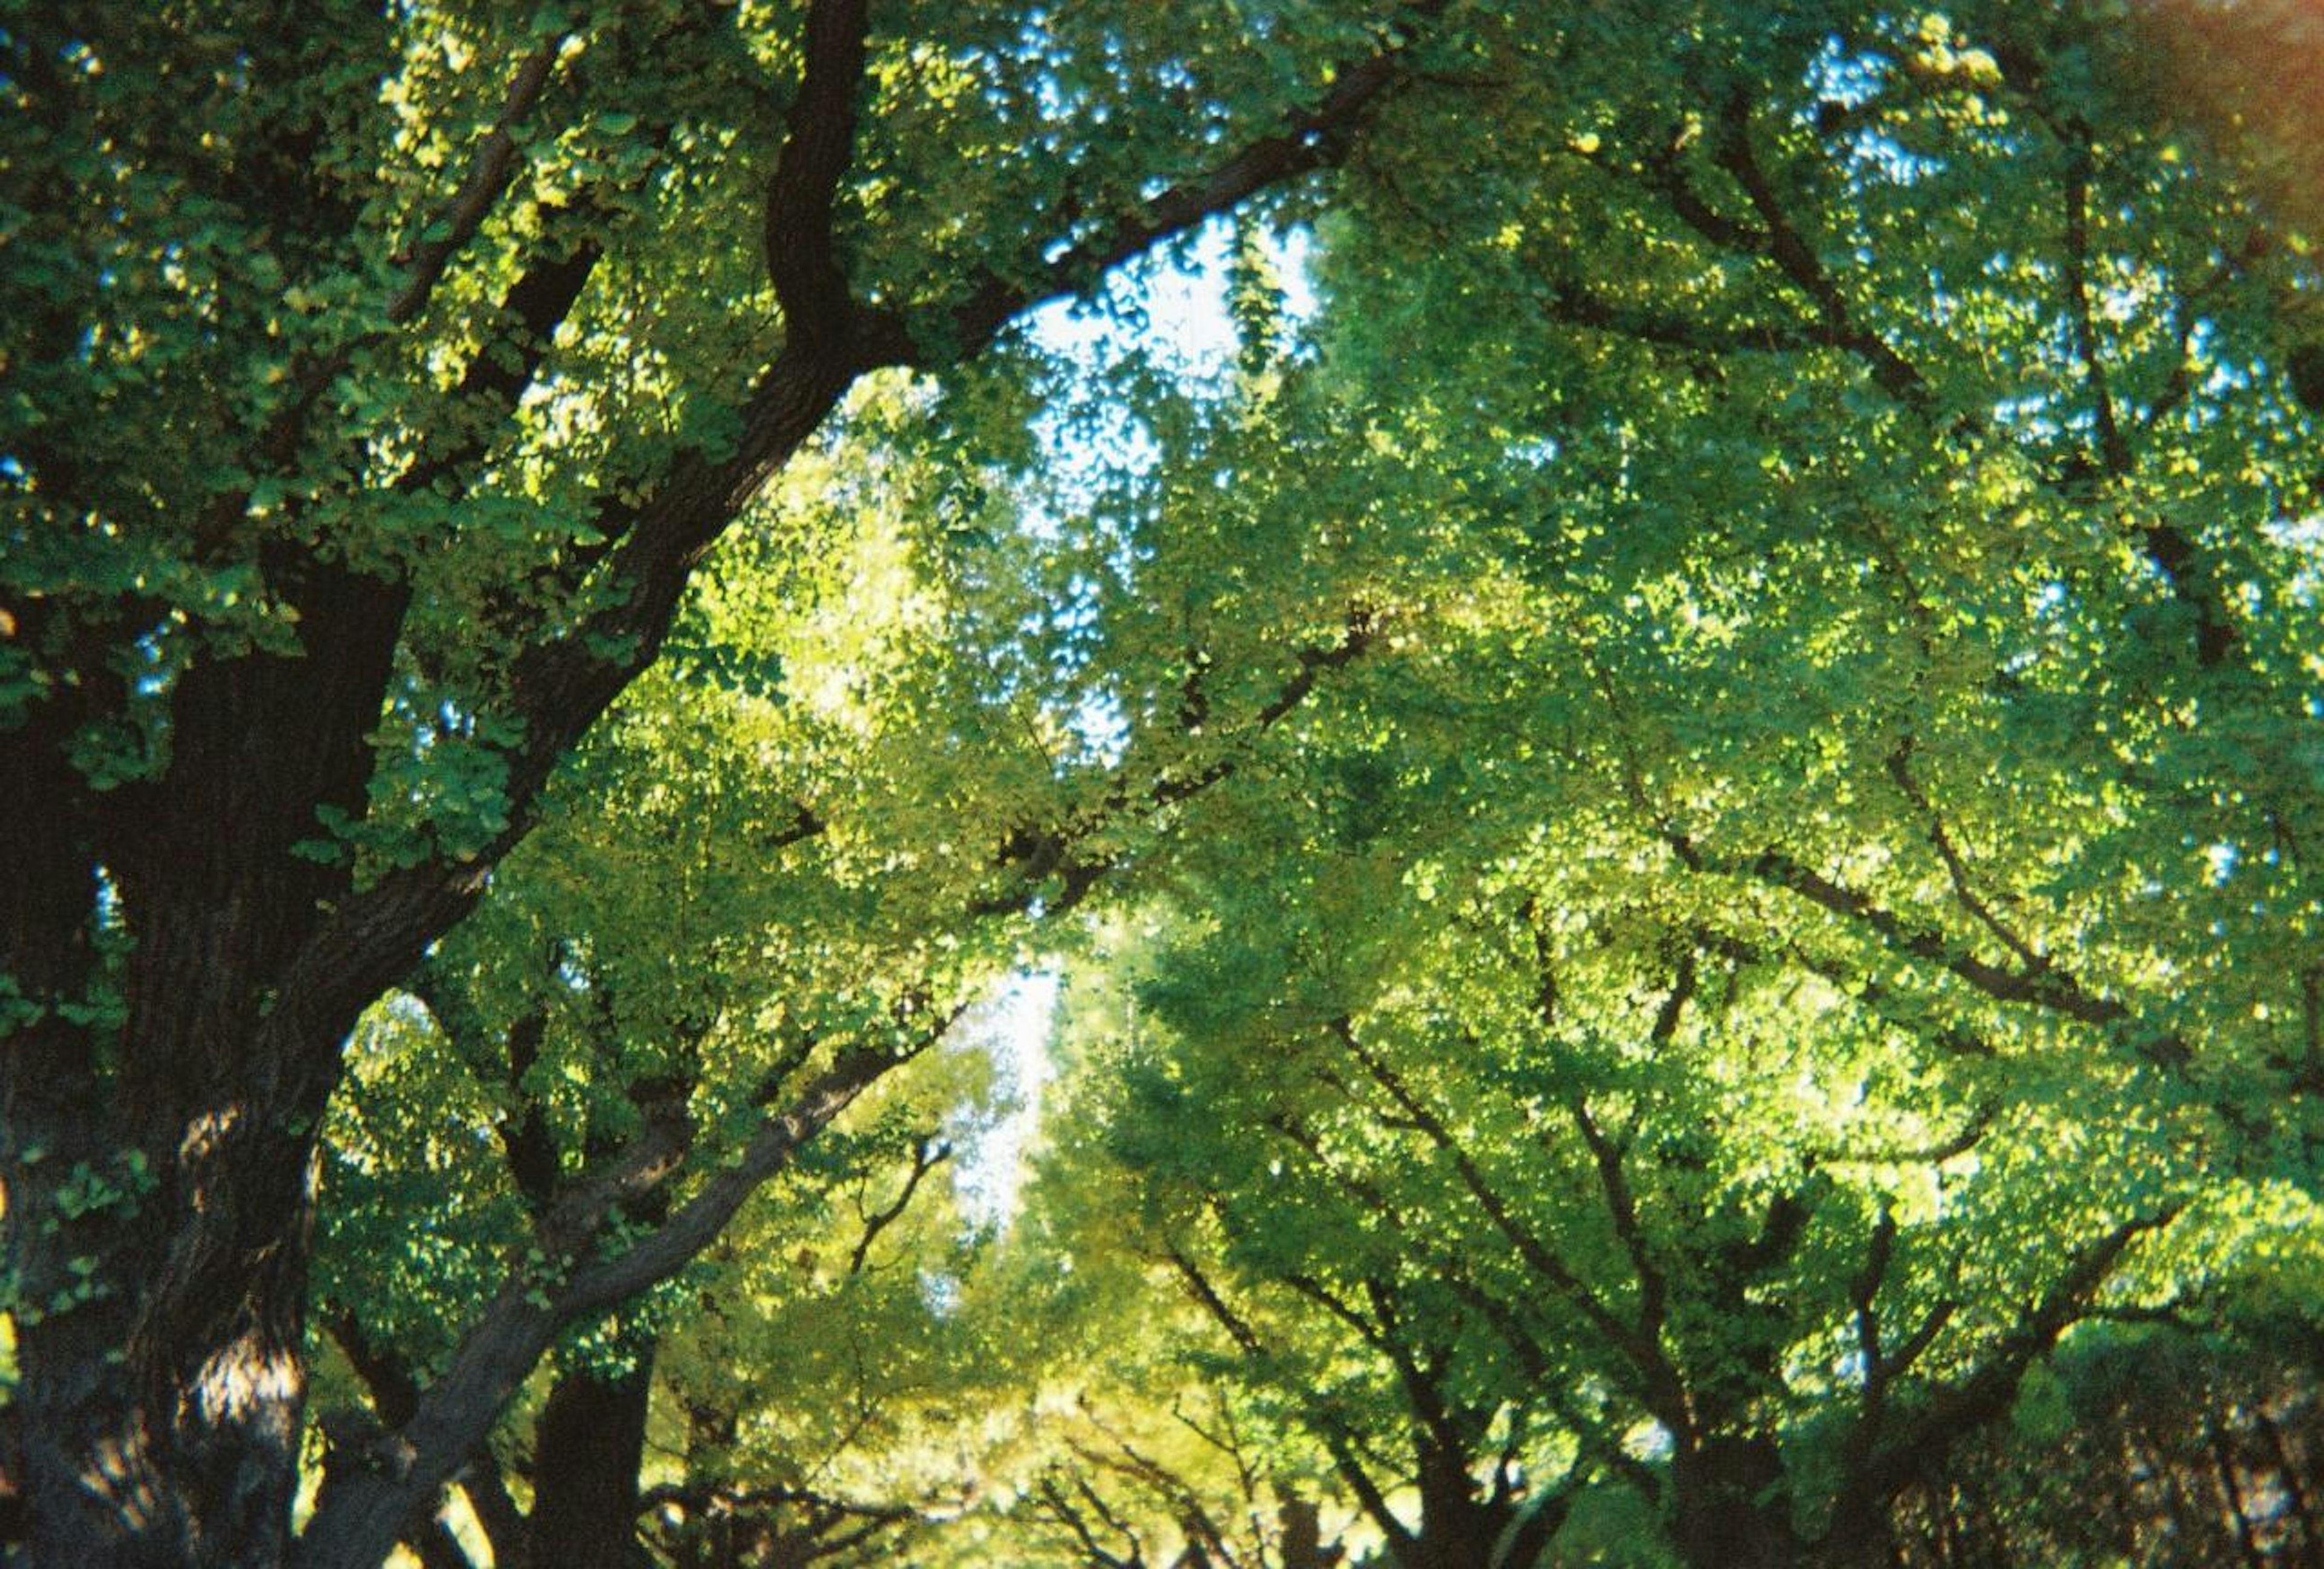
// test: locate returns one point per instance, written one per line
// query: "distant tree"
(1819, 906)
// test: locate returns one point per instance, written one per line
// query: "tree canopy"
(1671, 777)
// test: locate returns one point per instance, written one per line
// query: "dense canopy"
(1463, 784)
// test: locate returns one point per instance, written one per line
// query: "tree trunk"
(1732, 1511)
(1458, 1529)
(182, 973)
(586, 1453)
(1302, 1527)
(162, 1112)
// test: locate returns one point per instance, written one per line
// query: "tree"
(363, 441)
(1479, 1236)
(2156, 1445)
(2006, 560)
(1910, 609)
(1113, 1435)
(1831, 649)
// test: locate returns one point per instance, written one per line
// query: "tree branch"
(802, 256)
(1575, 304)
(1310, 139)
(1035, 857)
(455, 223)
(2047, 988)
(501, 1349)
(927, 1154)
(1900, 769)
(424, 262)
(1798, 260)
(1622, 1209)
(2113, 452)
(1529, 1246)
(1984, 1394)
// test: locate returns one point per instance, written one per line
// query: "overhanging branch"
(1307, 139)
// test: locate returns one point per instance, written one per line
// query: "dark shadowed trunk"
(1302, 1525)
(162, 1113)
(585, 1454)
(1732, 1509)
(1457, 1528)
(186, 953)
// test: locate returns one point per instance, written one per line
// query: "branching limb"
(560, 686)
(1333, 1434)
(443, 236)
(1664, 171)
(803, 260)
(453, 225)
(1206, 1295)
(927, 1154)
(1307, 139)
(1535, 1253)
(1792, 252)
(1059, 1503)
(1900, 769)
(1049, 863)
(507, 1341)
(1622, 1209)
(2047, 988)
(2164, 543)
(1920, 1438)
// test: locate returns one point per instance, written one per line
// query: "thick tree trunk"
(1458, 1530)
(161, 1115)
(163, 1112)
(1302, 1527)
(1731, 1509)
(587, 1450)
(157, 1134)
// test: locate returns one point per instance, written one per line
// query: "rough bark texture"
(1732, 1509)
(160, 1409)
(1301, 1525)
(1457, 1529)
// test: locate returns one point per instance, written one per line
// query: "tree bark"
(161, 1384)
(1301, 1525)
(1731, 1507)
(586, 1453)
(1458, 1529)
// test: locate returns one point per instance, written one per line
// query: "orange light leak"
(2251, 74)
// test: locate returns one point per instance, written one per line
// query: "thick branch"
(802, 257)
(424, 264)
(2113, 452)
(502, 1347)
(2166, 545)
(457, 223)
(562, 684)
(1622, 1209)
(1984, 1394)
(2046, 988)
(1334, 1437)
(1575, 304)
(1046, 863)
(1308, 139)
(1059, 1506)
(1206, 1295)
